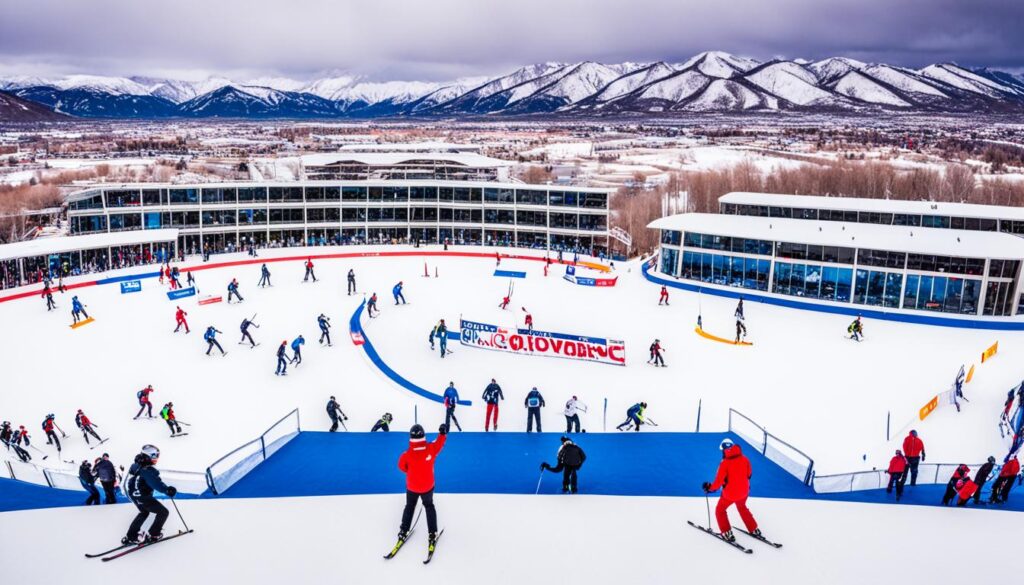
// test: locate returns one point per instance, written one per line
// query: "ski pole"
(707, 503)
(180, 516)
(61, 430)
(181, 422)
(37, 450)
(539, 479)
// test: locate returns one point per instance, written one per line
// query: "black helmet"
(991, 459)
(416, 432)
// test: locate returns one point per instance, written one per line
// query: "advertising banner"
(181, 293)
(131, 286)
(542, 343)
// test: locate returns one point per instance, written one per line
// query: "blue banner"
(131, 286)
(181, 293)
(510, 273)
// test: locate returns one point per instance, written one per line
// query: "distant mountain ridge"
(712, 81)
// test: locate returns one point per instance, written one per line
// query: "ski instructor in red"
(733, 479)
(418, 465)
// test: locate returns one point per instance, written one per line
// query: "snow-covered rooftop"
(467, 159)
(879, 205)
(915, 240)
(45, 246)
(431, 147)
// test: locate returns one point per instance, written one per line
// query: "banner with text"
(543, 343)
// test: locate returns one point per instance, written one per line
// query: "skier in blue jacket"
(451, 400)
(211, 340)
(325, 325)
(297, 350)
(397, 292)
(635, 415)
(77, 308)
(534, 402)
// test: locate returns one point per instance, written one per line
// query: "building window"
(671, 237)
(668, 262)
(725, 270)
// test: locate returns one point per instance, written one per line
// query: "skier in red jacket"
(1003, 483)
(664, 296)
(734, 480)
(913, 449)
(897, 474)
(179, 317)
(418, 465)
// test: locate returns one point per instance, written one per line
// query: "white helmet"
(726, 444)
(151, 451)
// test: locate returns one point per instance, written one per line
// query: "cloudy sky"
(444, 39)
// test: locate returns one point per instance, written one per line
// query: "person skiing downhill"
(351, 281)
(335, 413)
(233, 290)
(663, 299)
(85, 425)
(211, 340)
(635, 415)
(418, 465)
(382, 423)
(309, 271)
(856, 329)
(282, 359)
(733, 478)
(570, 460)
(244, 328)
(492, 395)
(50, 305)
(297, 350)
(179, 318)
(167, 413)
(264, 276)
(325, 325)
(51, 436)
(504, 303)
(741, 328)
(656, 350)
(143, 480)
(451, 400)
(572, 418)
(77, 308)
(371, 306)
(144, 403)
(397, 293)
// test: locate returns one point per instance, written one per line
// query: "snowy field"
(512, 540)
(801, 379)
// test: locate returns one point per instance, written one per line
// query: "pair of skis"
(401, 541)
(733, 543)
(124, 549)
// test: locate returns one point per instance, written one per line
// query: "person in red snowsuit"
(144, 402)
(179, 317)
(664, 296)
(913, 450)
(529, 322)
(504, 303)
(1003, 483)
(965, 490)
(417, 463)
(733, 479)
(309, 270)
(897, 474)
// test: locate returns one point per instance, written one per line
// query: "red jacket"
(418, 464)
(180, 316)
(664, 292)
(913, 446)
(966, 488)
(48, 425)
(309, 263)
(1011, 468)
(733, 475)
(897, 464)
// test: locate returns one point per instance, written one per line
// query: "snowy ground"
(511, 539)
(802, 379)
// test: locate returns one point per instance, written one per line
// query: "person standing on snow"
(418, 465)
(144, 403)
(51, 436)
(105, 472)
(143, 480)
(897, 474)
(442, 336)
(351, 281)
(77, 308)
(656, 350)
(913, 450)
(88, 480)
(635, 415)
(233, 290)
(733, 479)
(297, 350)
(397, 293)
(244, 328)
(982, 476)
(570, 460)
(371, 306)
(282, 359)
(309, 271)
(954, 485)
(264, 276)
(167, 413)
(663, 299)
(50, 305)
(741, 328)
(325, 328)
(492, 395)
(1003, 483)
(334, 411)
(179, 318)
(211, 340)
(534, 402)
(85, 425)
(451, 400)
(572, 418)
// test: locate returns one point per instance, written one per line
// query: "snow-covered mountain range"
(709, 82)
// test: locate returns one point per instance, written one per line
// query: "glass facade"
(726, 270)
(828, 283)
(989, 224)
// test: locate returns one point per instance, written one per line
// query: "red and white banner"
(543, 343)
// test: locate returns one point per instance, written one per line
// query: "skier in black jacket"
(982, 477)
(88, 480)
(570, 460)
(107, 475)
(333, 411)
(143, 479)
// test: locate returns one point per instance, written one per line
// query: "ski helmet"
(151, 451)
(416, 432)
(991, 459)
(726, 444)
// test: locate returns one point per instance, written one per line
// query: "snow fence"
(227, 470)
(927, 474)
(786, 456)
(186, 482)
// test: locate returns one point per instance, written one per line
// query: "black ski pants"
(109, 492)
(912, 463)
(572, 422)
(449, 417)
(568, 476)
(410, 507)
(147, 507)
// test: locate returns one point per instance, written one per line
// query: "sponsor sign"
(210, 299)
(181, 293)
(542, 343)
(990, 352)
(928, 408)
(131, 286)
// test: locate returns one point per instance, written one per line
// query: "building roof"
(879, 205)
(89, 191)
(466, 159)
(431, 147)
(57, 245)
(915, 240)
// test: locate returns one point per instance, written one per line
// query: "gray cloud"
(442, 39)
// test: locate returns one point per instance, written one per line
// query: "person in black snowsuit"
(325, 325)
(143, 480)
(50, 305)
(382, 424)
(282, 359)
(244, 327)
(351, 281)
(88, 480)
(333, 410)
(264, 276)
(982, 477)
(570, 460)
(107, 475)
